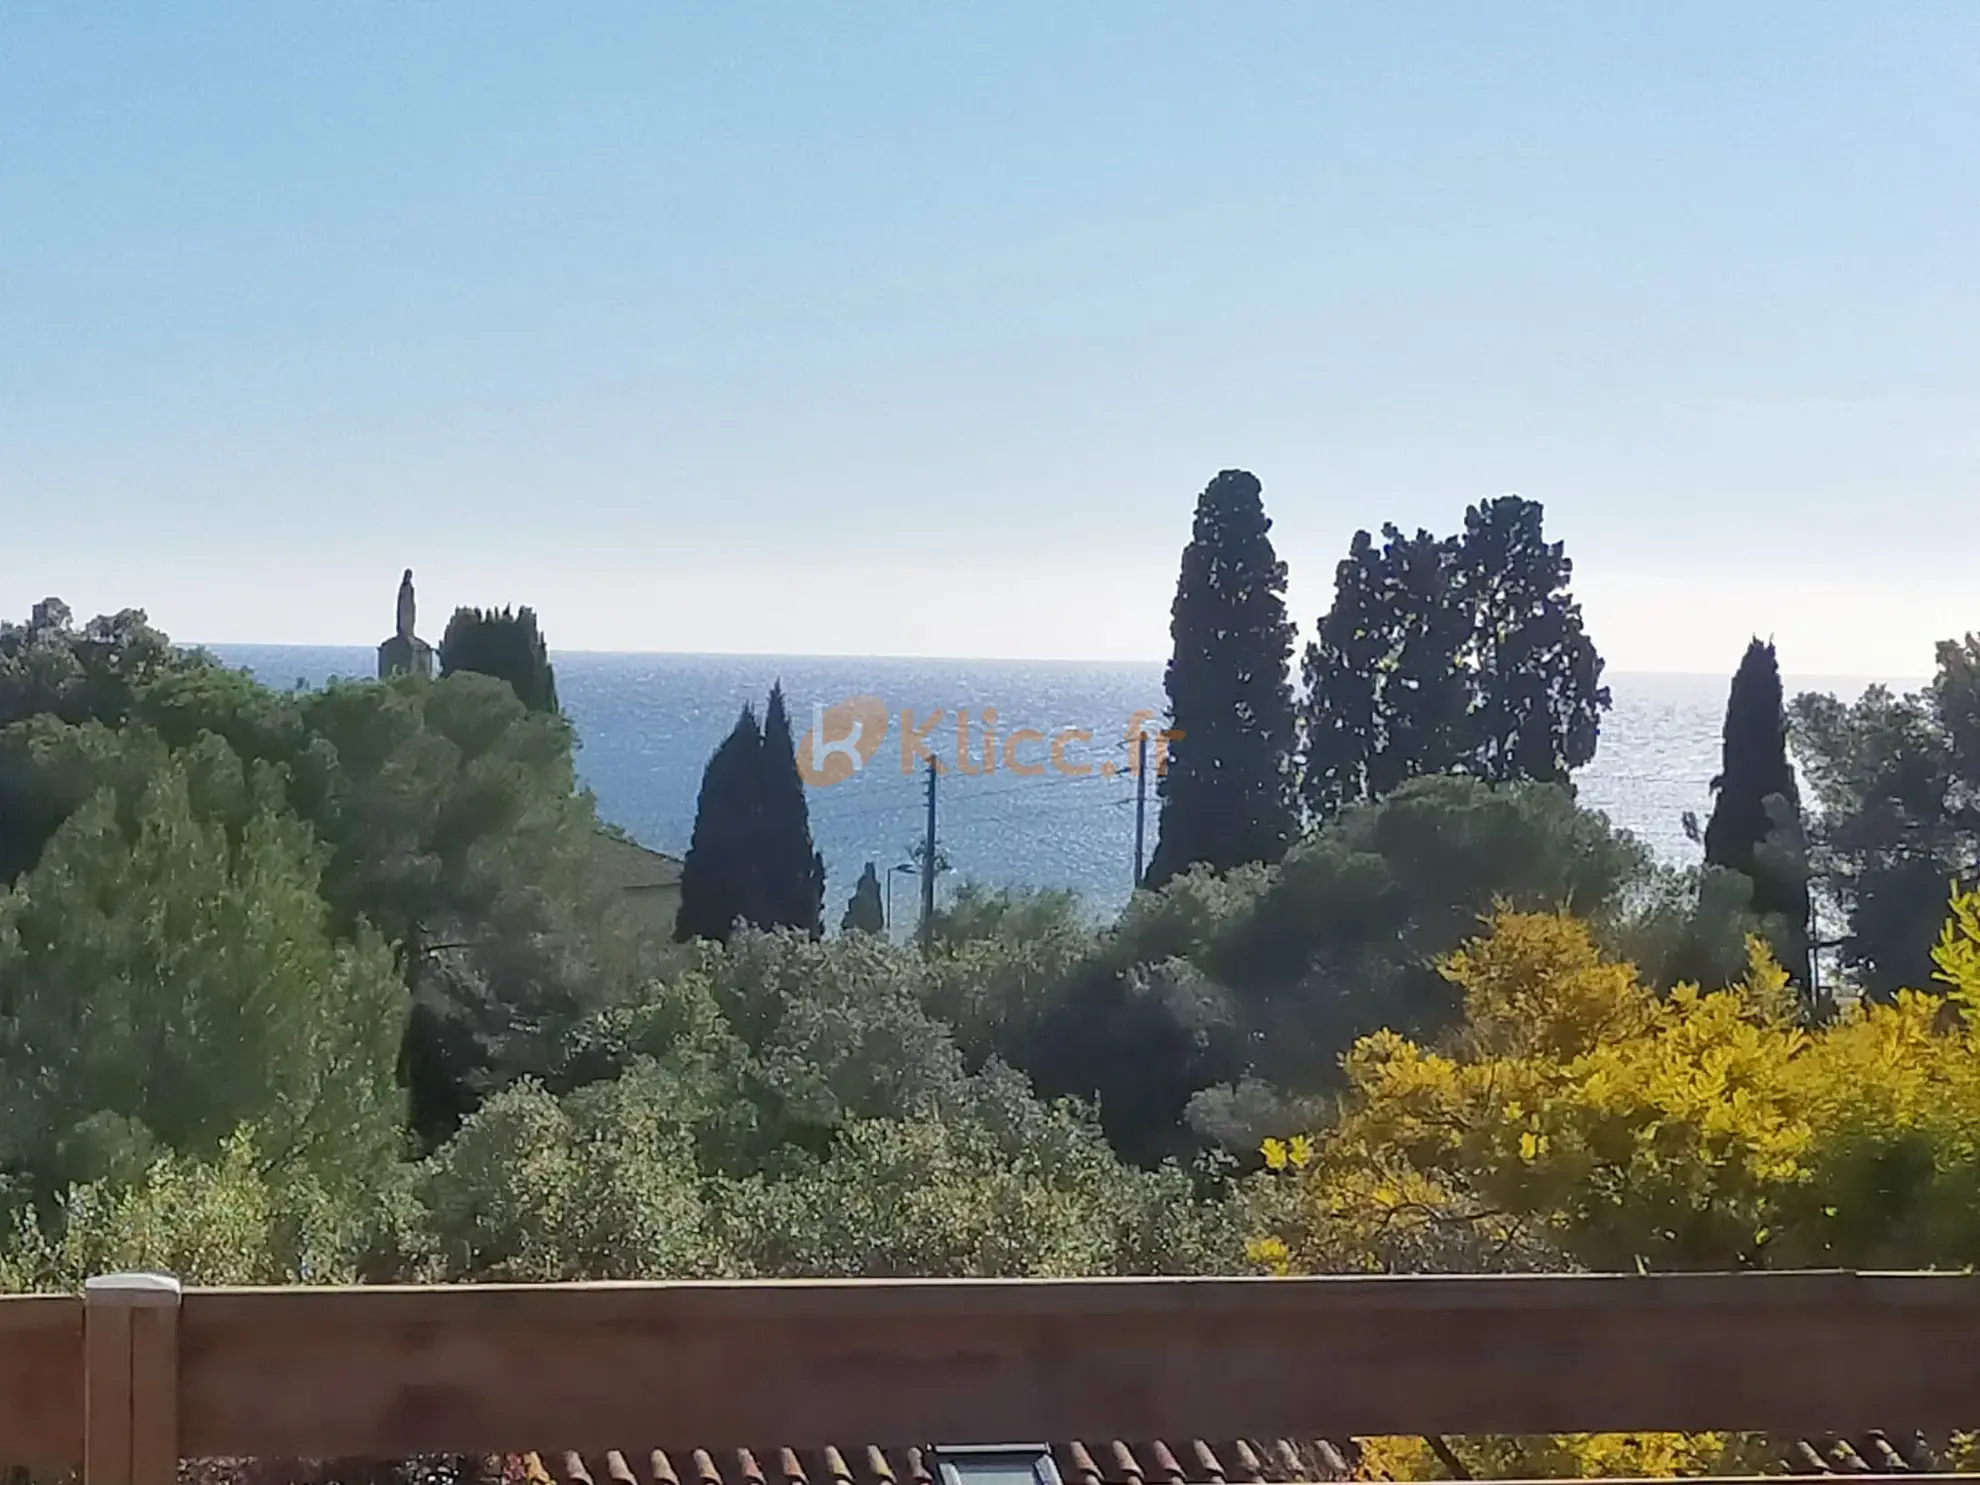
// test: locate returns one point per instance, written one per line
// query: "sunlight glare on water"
(647, 723)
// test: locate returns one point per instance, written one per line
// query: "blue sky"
(916, 327)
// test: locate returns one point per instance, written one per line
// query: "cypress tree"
(717, 882)
(792, 871)
(1755, 827)
(750, 859)
(503, 643)
(865, 913)
(1227, 796)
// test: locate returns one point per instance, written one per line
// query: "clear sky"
(916, 327)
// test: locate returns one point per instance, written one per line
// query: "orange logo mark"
(842, 740)
(846, 737)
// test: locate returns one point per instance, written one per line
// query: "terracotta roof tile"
(1108, 1462)
(1076, 1465)
(1209, 1467)
(1164, 1466)
(1132, 1462)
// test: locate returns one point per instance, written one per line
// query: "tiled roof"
(638, 868)
(1868, 1454)
(1185, 1462)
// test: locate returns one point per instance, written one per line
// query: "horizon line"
(1650, 673)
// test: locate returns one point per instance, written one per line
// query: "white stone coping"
(138, 1291)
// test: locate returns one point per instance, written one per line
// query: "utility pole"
(928, 870)
(1140, 799)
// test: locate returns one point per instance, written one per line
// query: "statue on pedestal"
(405, 653)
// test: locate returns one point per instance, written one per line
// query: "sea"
(646, 724)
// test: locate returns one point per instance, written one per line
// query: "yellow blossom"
(1577, 1118)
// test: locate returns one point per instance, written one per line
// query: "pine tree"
(1227, 795)
(865, 913)
(1755, 827)
(1386, 690)
(1895, 781)
(1340, 677)
(171, 968)
(1462, 654)
(505, 644)
(1537, 692)
(792, 870)
(718, 887)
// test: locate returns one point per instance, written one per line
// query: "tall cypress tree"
(1755, 827)
(503, 643)
(750, 859)
(718, 886)
(1227, 796)
(793, 872)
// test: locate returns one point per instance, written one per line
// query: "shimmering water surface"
(646, 724)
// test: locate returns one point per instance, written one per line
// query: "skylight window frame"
(952, 1461)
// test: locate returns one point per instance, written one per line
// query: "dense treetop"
(1228, 794)
(506, 644)
(751, 860)
(338, 984)
(1896, 782)
(1756, 827)
(1461, 654)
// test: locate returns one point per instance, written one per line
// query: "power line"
(969, 795)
